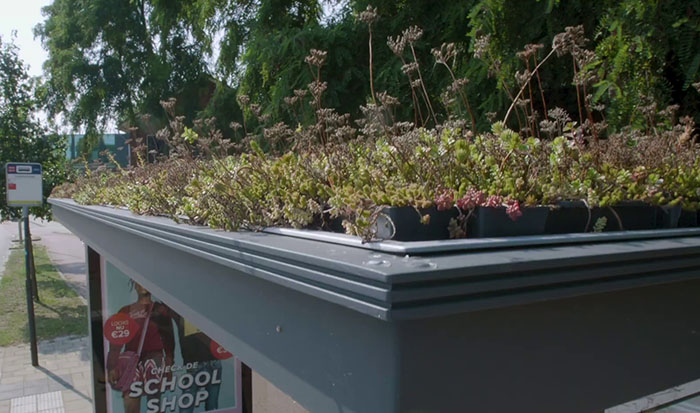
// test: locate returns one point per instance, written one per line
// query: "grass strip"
(60, 313)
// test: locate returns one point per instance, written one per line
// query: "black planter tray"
(492, 228)
(628, 216)
(469, 244)
(487, 222)
(406, 224)
(568, 217)
(668, 216)
(688, 219)
(575, 217)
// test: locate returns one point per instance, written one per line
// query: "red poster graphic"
(219, 351)
(11, 186)
(120, 329)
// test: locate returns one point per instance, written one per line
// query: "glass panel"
(157, 361)
(108, 139)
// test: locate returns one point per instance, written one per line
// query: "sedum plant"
(337, 173)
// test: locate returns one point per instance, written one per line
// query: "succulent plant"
(302, 176)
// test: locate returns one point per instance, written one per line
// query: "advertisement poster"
(157, 361)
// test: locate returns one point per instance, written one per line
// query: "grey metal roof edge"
(366, 296)
(392, 287)
(262, 244)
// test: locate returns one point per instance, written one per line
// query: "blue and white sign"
(24, 184)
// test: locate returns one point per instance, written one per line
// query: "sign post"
(30, 303)
(25, 189)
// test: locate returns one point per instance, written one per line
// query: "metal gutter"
(442, 279)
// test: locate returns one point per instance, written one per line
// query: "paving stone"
(23, 405)
(72, 394)
(12, 368)
(33, 376)
(23, 409)
(33, 391)
(23, 401)
(16, 361)
(82, 385)
(77, 405)
(56, 386)
(81, 375)
(61, 373)
(49, 401)
(17, 351)
(11, 379)
(66, 365)
(48, 347)
(11, 394)
(84, 391)
(83, 367)
(60, 382)
(64, 375)
(11, 386)
(38, 382)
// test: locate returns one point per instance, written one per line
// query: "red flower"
(513, 210)
(444, 200)
(494, 201)
(471, 199)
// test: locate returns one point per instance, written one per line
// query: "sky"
(22, 16)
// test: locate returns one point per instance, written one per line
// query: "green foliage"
(600, 224)
(335, 171)
(123, 59)
(648, 49)
(22, 138)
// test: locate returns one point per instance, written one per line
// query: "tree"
(123, 58)
(283, 32)
(118, 60)
(648, 56)
(22, 137)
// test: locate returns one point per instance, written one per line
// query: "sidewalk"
(67, 252)
(62, 382)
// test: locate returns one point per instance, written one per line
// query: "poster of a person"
(156, 360)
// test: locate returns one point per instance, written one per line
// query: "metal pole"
(19, 227)
(30, 303)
